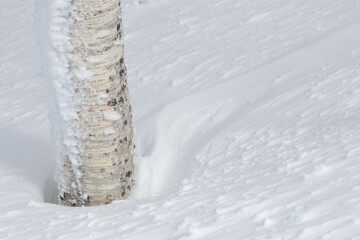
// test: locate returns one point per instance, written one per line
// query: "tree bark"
(97, 168)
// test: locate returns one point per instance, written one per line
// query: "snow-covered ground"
(246, 113)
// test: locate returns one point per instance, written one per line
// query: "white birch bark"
(96, 143)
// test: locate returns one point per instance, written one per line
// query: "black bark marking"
(112, 102)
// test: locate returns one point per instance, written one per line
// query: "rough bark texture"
(104, 128)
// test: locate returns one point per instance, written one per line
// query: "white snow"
(112, 116)
(53, 25)
(246, 116)
(82, 73)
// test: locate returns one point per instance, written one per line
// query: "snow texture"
(112, 116)
(54, 36)
(247, 116)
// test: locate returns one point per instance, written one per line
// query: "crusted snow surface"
(247, 117)
(54, 23)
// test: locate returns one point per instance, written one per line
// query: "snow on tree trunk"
(92, 113)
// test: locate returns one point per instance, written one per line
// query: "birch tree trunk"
(96, 143)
